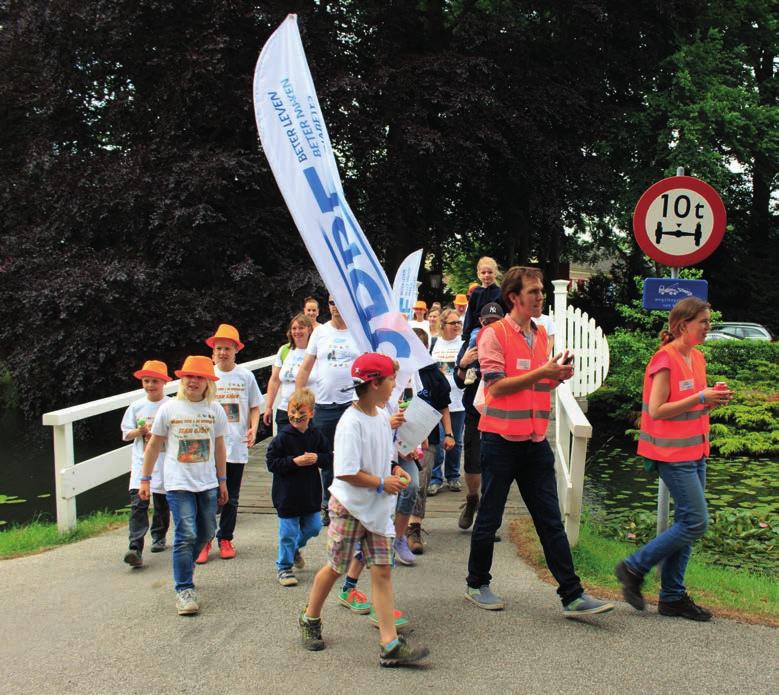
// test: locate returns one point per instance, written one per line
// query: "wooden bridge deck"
(255, 490)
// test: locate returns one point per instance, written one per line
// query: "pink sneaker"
(226, 550)
(203, 557)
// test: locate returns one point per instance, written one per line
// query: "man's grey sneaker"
(403, 553)
(685, 607)
(484, 598)
(455, 485)
(631, 585)
(133, 557)
(158, 546)
(402, 653)
(298, 561)
(586, 605)
(186, 602)
(287, 578)
(311, 633)
(433, 488)
(468, 511)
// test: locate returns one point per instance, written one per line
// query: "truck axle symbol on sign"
(679, 221)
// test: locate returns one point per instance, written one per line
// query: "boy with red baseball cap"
(136, 427)
(363, 496)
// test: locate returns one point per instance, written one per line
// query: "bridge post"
(64, 458)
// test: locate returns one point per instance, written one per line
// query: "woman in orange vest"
(675, 436)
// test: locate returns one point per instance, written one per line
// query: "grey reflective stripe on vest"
(670, 443)
(501, 414)
(689, 415)
(542, 387)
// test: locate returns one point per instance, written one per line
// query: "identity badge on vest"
(686, 384)
(523, 364)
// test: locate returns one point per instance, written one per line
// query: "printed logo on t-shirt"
(339, 353)
(194, 450)
(523, 364)
(686, 384)
(233, 412)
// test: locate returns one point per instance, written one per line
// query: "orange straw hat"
(198, 365)
(225, 332)
(461, 299)
(154, 369)
(419, 304)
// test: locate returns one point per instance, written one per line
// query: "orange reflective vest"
(684, 437)
(525, 412)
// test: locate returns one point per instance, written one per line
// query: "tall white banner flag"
(404, 289)
(296, 143)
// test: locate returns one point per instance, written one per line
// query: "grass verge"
(38, 536)
(729, 593)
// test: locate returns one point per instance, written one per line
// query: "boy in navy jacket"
(294, 456)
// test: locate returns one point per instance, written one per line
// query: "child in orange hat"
(239, 395)
(136, 427)
(192, 427)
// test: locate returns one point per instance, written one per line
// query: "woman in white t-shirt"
(285, 369)
(192, 428)
(445, 352)
(331, 349)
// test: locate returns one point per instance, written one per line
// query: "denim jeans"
(229, 513)
(294, 533)
(194, 523)
(326, 417)
(450, 459)
(531, 465)
(408, 496)
(139, 519)
(686, 482)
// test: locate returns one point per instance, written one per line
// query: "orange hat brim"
(181, 372)
(154, 375)
(210, 342)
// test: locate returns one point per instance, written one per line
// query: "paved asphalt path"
(77, 620)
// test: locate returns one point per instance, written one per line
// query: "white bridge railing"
(71, 478)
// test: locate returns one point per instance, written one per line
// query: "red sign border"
(657, 189)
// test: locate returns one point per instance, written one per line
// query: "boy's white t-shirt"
(237, 392)
(364, 443)
(445, 353)
(288, 371)
(144, 409)
(190, 431)
(335, 350)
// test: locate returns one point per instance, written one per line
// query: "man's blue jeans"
(686, 482)
(326, 417)
(531, 465)
(194, 523)
(294, 533)
(450, 459)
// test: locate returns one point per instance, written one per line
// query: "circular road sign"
(679, 221)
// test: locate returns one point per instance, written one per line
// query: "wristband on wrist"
(702, 397)
(221, 478)
(380, 488)
(145, 478)
(449, 434)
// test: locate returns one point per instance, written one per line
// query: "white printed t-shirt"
(237, 392)
(445, 353)
(288, 371)
(190, 431)
(335, 350)
(364, 443)
(143, 410)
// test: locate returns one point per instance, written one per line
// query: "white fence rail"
(71, 478)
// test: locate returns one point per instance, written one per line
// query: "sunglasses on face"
(451, 323)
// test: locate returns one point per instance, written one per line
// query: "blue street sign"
(663, 293)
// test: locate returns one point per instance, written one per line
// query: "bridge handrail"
(71, 478)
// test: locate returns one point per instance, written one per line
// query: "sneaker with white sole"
(455, 485)
(287, 578)
(403, 553)
(186, 602)
(484, 598)
(433, 489)
(586, 605)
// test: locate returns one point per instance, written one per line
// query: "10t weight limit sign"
(679, 221)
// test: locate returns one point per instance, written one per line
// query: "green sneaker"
(311, 633)
(355, 601)
(401, 619)
(402, 653)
